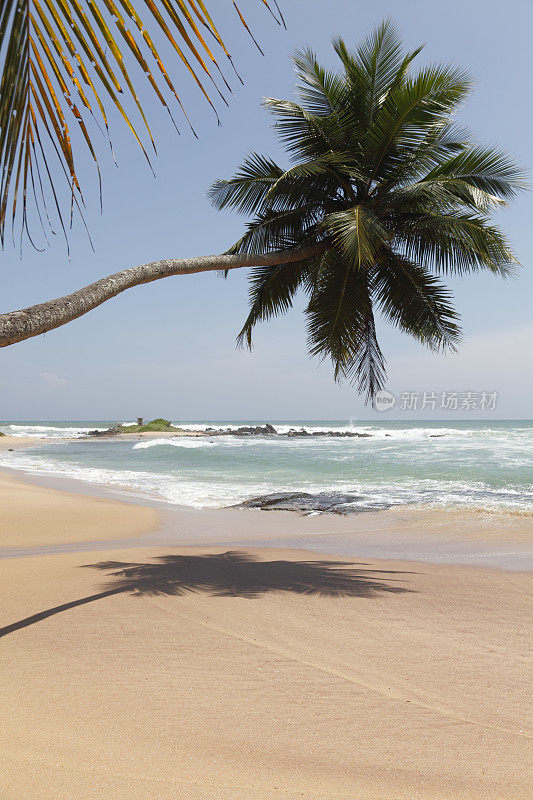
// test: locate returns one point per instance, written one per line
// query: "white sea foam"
(466, 466)
(181, 441)
(199, 494)
(47, 431)
(408, 433)
(215, 492)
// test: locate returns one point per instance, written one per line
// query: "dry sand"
(34, 515)
(269, 680)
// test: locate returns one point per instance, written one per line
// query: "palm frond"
(331, 173)
(441, 194)
(321, 91)
(440, 142)
(414, 300)
(357, 233)
(261, 184)
(485, 169)
(341, 324)
(271, 293)
(416, 105)
(368, 368)
(305, 135)
(476, 177)
(377, 65)
(455, 243)
(247, 190)
(66, 63)
(279, 230)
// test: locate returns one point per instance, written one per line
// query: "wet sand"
(455, 537)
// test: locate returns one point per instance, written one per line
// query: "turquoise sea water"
(475, 464)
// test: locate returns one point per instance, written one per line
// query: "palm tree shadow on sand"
(231, 574)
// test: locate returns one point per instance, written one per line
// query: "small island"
(160, 425)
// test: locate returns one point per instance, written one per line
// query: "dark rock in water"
(251, 430)
(306, 503)
(332, 434)
(293, 432)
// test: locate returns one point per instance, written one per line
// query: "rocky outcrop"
(248, 430)
(243, 430)
(306, 503)
(109, 432)
(293, 433)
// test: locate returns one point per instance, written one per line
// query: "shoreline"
(405, 492)
(455, 536)
(94, 488)
(229, 654)
(438, 537)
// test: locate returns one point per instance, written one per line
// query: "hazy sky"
(168, 348)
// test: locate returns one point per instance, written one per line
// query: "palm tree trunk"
(16, 326)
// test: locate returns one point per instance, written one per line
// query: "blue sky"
(169, 348)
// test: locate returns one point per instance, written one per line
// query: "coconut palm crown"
(389, 190)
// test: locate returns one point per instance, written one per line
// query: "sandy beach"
(274, 672)
(32, 515)
(269, 537)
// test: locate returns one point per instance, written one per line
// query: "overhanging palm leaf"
(66, 63)
(414, 300)
(272, 290)
(341, 323)
(391, 192)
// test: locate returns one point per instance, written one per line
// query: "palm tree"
(388, 190)
(70, 63)
(385, 195)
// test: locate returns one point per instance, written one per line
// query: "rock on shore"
(307, 503)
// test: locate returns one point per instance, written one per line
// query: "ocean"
(448, 464)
